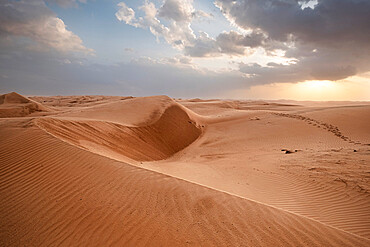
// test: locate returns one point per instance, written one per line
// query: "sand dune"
(72, 197)
(16, 105)
(151, 171)
(76, 101)
(170, 133)
(133, 112)
(244, 156)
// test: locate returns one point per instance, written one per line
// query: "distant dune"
(16, 105)
(154, 171)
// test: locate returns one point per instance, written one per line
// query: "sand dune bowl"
(172, 132)
(153, 171)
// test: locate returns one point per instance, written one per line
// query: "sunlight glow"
(316, 86)
(318, 90)
(353, 88)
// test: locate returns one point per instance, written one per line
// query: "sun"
(317, 86)
(316, 90)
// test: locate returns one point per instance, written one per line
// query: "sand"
(16, 105)
(123, 171)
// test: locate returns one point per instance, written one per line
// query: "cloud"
(181, 11)
(329, 38)
(126, 14)
(329, 20)
(180, 61)
(177, 10)
(201, 15)
(33, 20)
(49, 74)
(202, 46)
(236, 43)
(307, 69)
(230, 43)
(179, 33)
(325, 38)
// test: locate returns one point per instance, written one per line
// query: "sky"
(231, 49)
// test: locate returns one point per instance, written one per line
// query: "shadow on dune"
(172, 132)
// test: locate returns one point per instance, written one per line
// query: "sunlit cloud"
(34, 21)
(353, 88)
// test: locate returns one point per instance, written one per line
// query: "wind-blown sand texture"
(153, 171)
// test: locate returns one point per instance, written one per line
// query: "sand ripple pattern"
(55, 194)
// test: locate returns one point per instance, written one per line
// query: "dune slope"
(324, 180)
(53, 193)
(172, 132)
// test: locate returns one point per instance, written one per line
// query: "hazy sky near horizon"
(254, 49)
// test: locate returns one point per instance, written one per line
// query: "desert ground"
(158, 171)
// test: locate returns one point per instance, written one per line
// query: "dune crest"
(134, 112)
(15, 105)
(173, 131)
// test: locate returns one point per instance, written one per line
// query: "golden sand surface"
(156, 171)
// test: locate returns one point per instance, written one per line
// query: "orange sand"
(98, 171)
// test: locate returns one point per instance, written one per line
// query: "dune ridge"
(171, 131)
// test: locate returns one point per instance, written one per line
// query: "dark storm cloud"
(235, 43)
(330, 20)
(330, 41)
